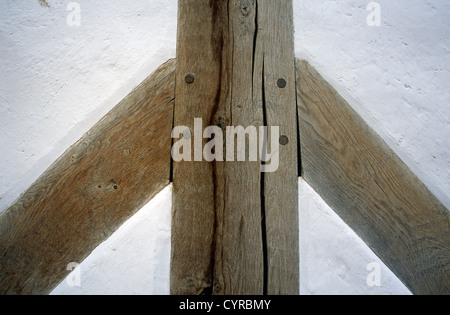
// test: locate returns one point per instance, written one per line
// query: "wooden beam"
(373, 191)
(275, 51)
(101, 181)
(235, 229)
(239, 258)
(203, 61)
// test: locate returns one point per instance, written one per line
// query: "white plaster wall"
(134, 260)
(57, 81)
(396, 76)
(333, 259)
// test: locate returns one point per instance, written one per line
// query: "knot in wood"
(246, 7)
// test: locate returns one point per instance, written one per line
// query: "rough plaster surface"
(57, 81)
(396, 75)
(135, 260)
(333, 259)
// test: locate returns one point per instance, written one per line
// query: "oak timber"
(101, 181)
(374, 192)
(202, 51)
(239, 259)
(275, 58)
(234, 229)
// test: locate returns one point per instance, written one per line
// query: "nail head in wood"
(281, 83)
(284, 140)
(189, 78)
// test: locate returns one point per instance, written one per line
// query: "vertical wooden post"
(275, 46)
(239, 260)
(235, 228)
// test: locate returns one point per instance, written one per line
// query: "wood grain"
(235, 230)
(98, 183)
(373, 191)
(203, 51)
(275, 48)
(239, 260)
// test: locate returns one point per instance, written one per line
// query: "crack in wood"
(263, 204)
(255, 37)
(221, 242)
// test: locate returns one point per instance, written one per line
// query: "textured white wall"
(333, 259)
(57, 81)
(396, 76)
(134, 260)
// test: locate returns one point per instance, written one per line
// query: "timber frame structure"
(234, 228)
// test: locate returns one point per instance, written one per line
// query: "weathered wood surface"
(362, 179)
(239, 259)
(234, 229)
(202, 50)
(102, 180)
(275, 51)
